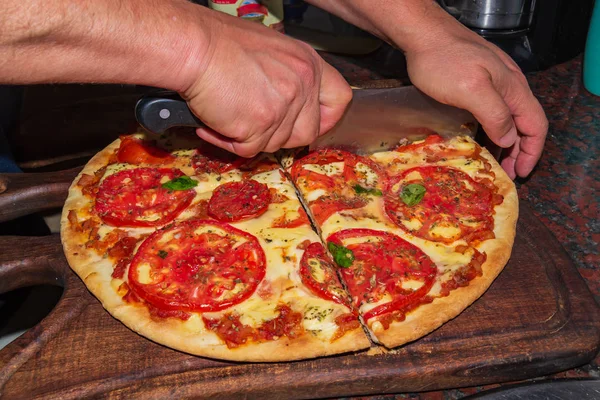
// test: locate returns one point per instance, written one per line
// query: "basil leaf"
(162, 254)
(361, 190)
(341, 255)
(412, 194)
(181, 183)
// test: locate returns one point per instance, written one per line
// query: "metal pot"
(492, 14)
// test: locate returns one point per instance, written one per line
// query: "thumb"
(334, 96)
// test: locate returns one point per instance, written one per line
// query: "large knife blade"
(376, 119)
(379, 119)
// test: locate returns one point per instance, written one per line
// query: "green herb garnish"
(341, 255)
(412, 194)
(361, 190)
(181, 183)
(163, 254)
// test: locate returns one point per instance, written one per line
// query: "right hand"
(262, 91)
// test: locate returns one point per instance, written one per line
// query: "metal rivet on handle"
(164, 113)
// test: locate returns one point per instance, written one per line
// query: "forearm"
(408, 24)
(149, 42)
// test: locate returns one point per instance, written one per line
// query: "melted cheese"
(335, 168)
(415, 175)
(445, 231)
(316, 270)
(315, 194)
(413, 224)
(144, 274)
(411, 284)
(371, 178)
(366, 307)
(255, 311)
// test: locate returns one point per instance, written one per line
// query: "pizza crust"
(173, 333)
(80, 259)
(429, 317)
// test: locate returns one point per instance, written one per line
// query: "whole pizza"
(288, 256)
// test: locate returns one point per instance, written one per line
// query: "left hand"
(464, 70)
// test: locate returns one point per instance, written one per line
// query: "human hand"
(460, 68)
(262, 91)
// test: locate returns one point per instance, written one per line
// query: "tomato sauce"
(234, 333)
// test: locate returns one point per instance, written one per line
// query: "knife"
(376, 119)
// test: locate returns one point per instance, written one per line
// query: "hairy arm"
(457, 67)
(407, 24)
(149, 42)
(257, 89)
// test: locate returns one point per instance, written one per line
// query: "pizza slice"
(418, 233)
(206, 252)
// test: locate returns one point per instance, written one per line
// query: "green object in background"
(591, 58)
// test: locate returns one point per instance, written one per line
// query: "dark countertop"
(563, 189)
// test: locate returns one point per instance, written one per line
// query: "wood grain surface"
(537, 318)
(27, 193)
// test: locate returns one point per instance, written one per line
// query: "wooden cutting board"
(537, 318)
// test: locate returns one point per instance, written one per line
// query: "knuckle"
(306, 69)
(245, 150)
(265, 115)
(474, 83)
(290, 89)
(239, 133)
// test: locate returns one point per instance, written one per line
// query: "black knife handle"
(157, 113)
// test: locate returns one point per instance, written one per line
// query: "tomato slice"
(136, 151)
(325, 206)
(429, 140)
(213, 159)
(197, 265)
(135, 197)
(237, 201)
(382, 263)
(318, 274)
(340, 188)
(453, 202)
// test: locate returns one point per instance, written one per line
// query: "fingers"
(530, 152)
(334, 96)
(306, 127)
(242, 149)
(531, 123)
(509, 161)
(215, 138)
(482, 99)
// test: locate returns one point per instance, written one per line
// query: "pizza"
(418, 232)
(285, 257)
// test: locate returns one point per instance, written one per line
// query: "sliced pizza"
(206, 252)
(418, 233)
